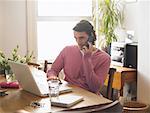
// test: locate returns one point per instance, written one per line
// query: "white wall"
(131, 18)
(1, 23)
(14, 27)
(137, 19)
(144, 53)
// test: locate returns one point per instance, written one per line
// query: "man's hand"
(51, 77)
(87, 50)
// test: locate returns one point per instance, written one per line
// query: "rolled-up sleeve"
(57, 65)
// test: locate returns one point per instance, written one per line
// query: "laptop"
(33, 80)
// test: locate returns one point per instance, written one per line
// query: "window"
(55, 20)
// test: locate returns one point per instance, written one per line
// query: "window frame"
(33, 18)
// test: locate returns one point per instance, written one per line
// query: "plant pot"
(10, 77)
(2, 71)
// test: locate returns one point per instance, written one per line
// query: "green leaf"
(111, 18)
(15, 57)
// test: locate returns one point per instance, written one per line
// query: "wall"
(144, 53)
(14, 27)
(1, 23)
(131, 18)
(137, 19)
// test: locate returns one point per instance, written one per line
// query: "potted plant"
(110, 17)
(16, 58)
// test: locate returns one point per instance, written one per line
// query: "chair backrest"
(46, 65)
(110, 83)
(36, 65)
(107, 91)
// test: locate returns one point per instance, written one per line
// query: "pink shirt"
(87, 71)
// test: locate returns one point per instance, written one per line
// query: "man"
(83, 64)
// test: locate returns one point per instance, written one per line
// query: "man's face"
(81, 38)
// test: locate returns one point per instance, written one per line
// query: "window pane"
(53, 37)
(64, 7)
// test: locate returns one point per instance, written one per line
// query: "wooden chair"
(36, 65)
(33, 64)
(46, 63)
(107, 91)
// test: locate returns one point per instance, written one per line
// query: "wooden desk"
(123, 75)
(18, 99)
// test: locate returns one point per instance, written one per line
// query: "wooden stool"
(135, 107)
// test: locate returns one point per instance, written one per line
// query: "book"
(66, 100)
(9, 85)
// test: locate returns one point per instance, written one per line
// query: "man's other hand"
(51, 77)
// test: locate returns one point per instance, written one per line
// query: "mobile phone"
(90, 40)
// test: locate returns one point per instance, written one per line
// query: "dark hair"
(85, 26)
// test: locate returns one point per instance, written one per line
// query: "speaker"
(130, 58)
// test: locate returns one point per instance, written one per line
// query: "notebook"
(33, 80)
(66, 100)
